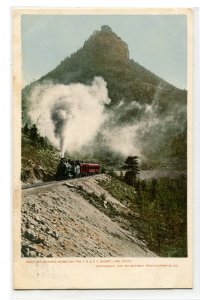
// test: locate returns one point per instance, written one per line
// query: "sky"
(157, 42)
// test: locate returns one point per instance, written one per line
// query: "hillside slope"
(78, 218)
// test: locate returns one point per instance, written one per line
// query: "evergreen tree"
(34, 133)
(26, 129)
(131, 165)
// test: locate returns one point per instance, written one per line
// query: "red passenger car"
(89, 169)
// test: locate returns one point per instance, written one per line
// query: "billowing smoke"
(69, 115)
(75, 119)
(148, 130)
(60, 115)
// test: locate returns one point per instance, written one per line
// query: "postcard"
(103, 148)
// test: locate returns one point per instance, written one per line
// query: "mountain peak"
(106, 46)
(106, 28)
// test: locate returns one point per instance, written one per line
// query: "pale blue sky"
(158, 43)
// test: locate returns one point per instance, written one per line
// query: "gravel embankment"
(65, 221)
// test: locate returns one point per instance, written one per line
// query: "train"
(68, 168)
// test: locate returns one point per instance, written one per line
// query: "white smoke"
(122, 139)
(72, 116)
(69, 115)
(146, 129)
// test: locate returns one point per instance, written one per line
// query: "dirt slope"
(77, 219)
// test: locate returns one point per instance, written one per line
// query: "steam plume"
(69, 115)
(74, 118)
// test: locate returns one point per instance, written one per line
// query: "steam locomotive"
(74, 168)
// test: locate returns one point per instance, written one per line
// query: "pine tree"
(26, 129)
(131, 165)
(34, 133)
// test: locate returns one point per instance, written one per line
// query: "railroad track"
(54, 183)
